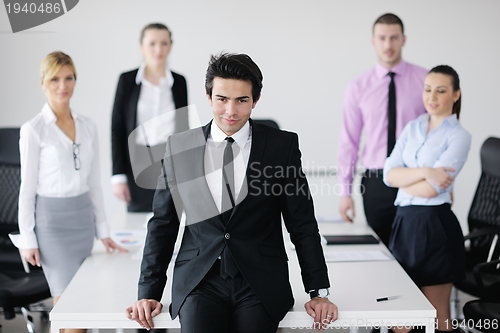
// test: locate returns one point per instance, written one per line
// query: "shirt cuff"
(119, 179)
(437, 188)
(386, 173)
(102, 231)
(24, 241)
(345, 190)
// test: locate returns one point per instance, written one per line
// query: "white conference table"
(105, 285)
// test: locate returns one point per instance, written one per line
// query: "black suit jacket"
(123, 122)
(255, 235)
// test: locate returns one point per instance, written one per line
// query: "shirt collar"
(424, 120)
(239, 137)
(452, 120)
(399, 69)
(49, 115)
(139, 78)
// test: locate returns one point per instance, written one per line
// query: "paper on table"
(341, 256)
(128, 237)
(329, 219)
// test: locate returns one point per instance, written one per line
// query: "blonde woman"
(61, 207)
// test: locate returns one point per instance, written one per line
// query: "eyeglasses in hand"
(76, 151)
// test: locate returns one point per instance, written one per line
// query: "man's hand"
(440, 177)
(323, 311)
(143, 311)
(121, 191)
(346, 203)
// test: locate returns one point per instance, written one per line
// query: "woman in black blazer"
(151, 95)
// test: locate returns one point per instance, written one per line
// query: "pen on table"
(388, 298)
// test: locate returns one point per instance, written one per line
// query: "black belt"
(374, 173)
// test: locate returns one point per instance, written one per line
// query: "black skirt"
(428, 242)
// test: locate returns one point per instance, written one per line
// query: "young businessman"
(381, 101)
(234, 179)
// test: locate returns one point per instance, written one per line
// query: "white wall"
(308, 51)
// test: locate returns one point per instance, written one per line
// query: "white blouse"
(155, 100)
(48, 168)
(155, 113)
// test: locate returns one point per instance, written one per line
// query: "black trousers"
(378, 202)
(223, 306)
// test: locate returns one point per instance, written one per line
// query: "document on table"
(128, 237)
(344, 256)
(134, 240)
(329, 219)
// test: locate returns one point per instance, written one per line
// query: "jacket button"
(227, 236)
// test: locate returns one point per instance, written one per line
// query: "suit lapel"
(132, 107)
(199, 155)
(181, 112)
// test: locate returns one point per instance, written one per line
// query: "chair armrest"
(13, 236)
(482, 232)
(477, 271)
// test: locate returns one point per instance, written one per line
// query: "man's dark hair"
(390, 18)
(234, 66)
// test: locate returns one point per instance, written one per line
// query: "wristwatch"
(323, 293)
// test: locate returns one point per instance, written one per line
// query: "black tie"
(228, 267)
(391, 128)
(228, 177)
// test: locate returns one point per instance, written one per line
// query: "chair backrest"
(267, 122)
(490, 157)
(485, 208)
(9, 146)
(10, 179)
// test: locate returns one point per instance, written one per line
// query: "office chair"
(18, 288)
(484, 225)
(267, 122)
(9, 194)
(484, 314)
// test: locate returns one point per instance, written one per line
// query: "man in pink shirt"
(381, 102)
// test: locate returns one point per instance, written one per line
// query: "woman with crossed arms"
(426, 236)
(61, 206)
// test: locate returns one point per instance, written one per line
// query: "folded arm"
(426, 182)
(421, 189)
(404, 177)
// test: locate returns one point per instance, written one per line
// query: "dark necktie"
(228, 177)
(391, 128)
(228, 267)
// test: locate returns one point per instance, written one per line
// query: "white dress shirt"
(214, 155)
(48, 169)
(155, 112)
